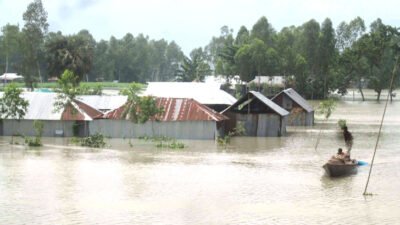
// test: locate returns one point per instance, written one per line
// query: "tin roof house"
(182, 118)
(205, 93)
(258, 115)
(301, 112)
(63, 122)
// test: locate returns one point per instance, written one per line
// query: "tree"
(381, 52)
(34, 30)
(264, 31)
(244, 64)
(67, 90)
(74, 53)
(242, 37)
(12, 105)
(10, 45)
(327, 54)
(139, 109)
(194, 68)
(347, 34)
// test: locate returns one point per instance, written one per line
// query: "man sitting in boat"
(341, 158)
(340, 154)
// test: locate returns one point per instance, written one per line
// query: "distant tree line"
(315, 58)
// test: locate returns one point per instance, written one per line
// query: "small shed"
(182, 118)
(260, 116)
(69, 121)
(301, 112)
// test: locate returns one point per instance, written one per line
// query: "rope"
(380, 127)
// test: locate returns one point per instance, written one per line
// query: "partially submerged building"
(73, 119)
(258, 115)
(207, 94)
(182, 118)
(301, 112)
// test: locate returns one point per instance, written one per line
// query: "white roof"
(209, 94)
(41, 106)
(10, 76)
(221, 79)
(103, 102)
(274, 80)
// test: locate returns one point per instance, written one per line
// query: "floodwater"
(252, 181)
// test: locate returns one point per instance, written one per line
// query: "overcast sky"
(190, 23)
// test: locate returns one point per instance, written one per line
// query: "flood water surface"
(252, 181)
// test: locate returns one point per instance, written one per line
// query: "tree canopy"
(317, 58)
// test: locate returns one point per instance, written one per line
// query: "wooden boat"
(337, 167)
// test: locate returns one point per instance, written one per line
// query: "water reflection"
(252, 181)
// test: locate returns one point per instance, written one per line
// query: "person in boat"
(348, 139)
(340, 154)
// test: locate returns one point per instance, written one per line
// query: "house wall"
(298, 116)
(52, 128)
(261, 125)
(173, 129)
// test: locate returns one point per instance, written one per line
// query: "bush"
(94, 141)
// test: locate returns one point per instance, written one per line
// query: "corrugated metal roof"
(209, 94)
(103, 102)
(41, 107)
(270, 104)
(177, 109)
(291, 93)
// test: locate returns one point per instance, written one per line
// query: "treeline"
(315, 58)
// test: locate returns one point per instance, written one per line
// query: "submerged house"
(182, 118)
(301, 112)
(73, 120)
(258, 115)
(207, 94)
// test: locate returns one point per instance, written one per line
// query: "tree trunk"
(379, 95)
(361, 92)
(39, 73)
(6, 63)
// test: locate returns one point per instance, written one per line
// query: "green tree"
(34, 30)
(74, 53)
(194, 68)
(139, 109)
(67, 90)
(264, 31)
(242, 37)
(381, 53)
(347, 34)
(327, 54)
(10, 46)
(12, 105)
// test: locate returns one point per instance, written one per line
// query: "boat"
(336, 167)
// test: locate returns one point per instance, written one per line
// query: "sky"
(192, 24)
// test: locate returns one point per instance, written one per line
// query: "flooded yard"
(252, 181)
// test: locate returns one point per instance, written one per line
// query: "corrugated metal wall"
(262, 125)
(51, 128)
(174, 129)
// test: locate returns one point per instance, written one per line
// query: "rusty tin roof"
(176, 109)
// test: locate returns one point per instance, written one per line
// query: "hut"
(73, 120)
(260, 116)
(205, 93)
(301, 112)
(182, 118)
